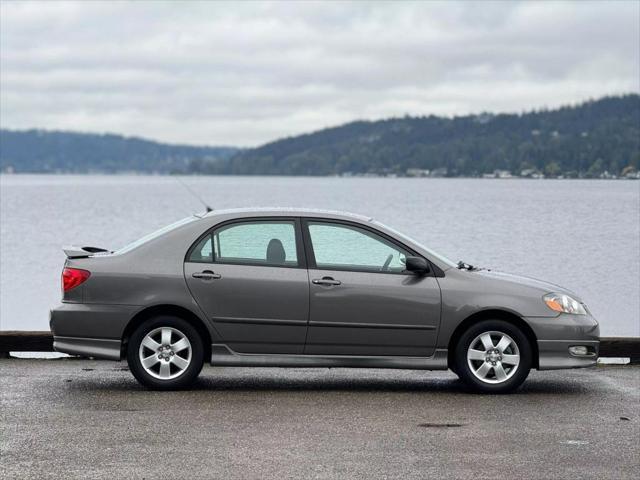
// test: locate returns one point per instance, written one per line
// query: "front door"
(250, 279)
(362, 301)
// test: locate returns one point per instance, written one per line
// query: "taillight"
(72, 277)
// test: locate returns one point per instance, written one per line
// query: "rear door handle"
(326, 281)
(206, 275)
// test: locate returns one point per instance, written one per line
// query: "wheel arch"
(493, 314)
(168, 309)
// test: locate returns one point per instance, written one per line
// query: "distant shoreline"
(364, 175)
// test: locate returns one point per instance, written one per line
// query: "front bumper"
(557, 334)
(555, 354)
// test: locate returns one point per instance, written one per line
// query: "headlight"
(559, 302)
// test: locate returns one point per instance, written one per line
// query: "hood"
(541, 285)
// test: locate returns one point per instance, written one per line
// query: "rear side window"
(269, 243)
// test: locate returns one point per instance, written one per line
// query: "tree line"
(585, 140)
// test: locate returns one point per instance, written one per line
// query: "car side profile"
(310, 288)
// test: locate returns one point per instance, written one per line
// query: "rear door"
(250, 279)
(363, 302)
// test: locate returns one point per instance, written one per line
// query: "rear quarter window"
(203, 251)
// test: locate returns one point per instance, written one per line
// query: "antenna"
(194, 194)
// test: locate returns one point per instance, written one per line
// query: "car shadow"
(351, 384)
(283, 380)
(423, 385)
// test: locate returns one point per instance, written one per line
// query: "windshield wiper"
(465, 266)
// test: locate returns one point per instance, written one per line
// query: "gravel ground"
(71, 418)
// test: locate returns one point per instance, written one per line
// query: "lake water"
(582, 234)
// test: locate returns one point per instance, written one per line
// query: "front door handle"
(206, 275)
(326, 281)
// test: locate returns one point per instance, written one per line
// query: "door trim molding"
(258, 321)
(222, 355)
(316, 323)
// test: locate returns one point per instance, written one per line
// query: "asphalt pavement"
(70, 418)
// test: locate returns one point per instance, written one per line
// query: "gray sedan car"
(309, 288)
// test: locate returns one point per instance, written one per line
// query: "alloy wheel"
(493, 357)
(165, 353)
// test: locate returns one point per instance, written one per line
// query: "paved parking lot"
(90, 419)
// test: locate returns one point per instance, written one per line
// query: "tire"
(172, 360)
(490, 371)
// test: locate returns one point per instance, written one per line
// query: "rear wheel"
(165, 353)
(493, 356)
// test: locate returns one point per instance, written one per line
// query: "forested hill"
(48, 151)
(585, 140)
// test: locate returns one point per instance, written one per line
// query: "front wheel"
(493, 356)
(165, 353)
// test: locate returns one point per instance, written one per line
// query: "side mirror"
(418, 265)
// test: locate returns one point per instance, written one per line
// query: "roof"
(289, 211)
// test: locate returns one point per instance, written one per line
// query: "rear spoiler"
(74, 251)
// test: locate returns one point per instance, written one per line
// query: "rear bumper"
(90, 329)
(88, 347)
(91, 320)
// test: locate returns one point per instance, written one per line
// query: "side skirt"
(223, 356)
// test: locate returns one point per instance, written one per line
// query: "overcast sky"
(247, 73)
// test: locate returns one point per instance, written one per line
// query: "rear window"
(156, 234)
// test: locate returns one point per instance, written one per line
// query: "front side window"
(345, 247)
(269, 243)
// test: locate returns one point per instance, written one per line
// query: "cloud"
(246, 73)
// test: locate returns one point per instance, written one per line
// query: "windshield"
(155, 234)
(402, 236)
